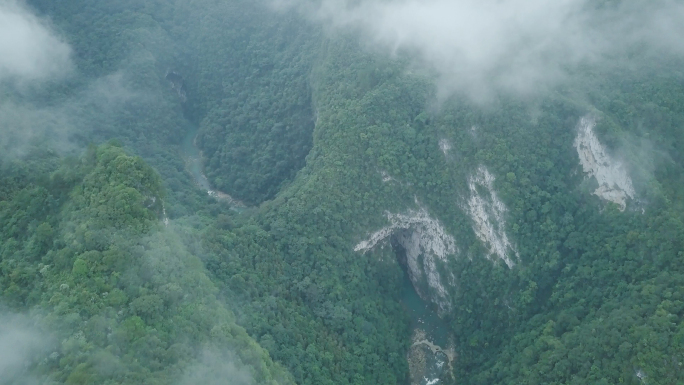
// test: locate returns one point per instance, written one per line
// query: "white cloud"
(484, 46)
(29, 49)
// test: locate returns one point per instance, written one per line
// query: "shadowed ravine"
(431, 354)
(193, 163)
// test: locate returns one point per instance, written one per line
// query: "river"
(194, 164)
(431, 354)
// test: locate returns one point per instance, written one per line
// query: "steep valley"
(264, 192)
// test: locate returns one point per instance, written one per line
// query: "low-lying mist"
(24, 124)
(21, 346)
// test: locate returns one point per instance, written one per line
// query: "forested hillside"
(263, 192)
(115, 296)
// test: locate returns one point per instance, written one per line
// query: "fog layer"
(520, 46)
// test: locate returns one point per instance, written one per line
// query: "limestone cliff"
(421, 236)
(487, 213)
(615, 185)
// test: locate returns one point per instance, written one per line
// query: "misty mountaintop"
(341, 192)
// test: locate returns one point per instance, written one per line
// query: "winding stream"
(431, 354)
(193, 163)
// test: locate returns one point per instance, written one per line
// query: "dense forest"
(357, 173)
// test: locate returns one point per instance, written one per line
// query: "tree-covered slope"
(117, 297)
(249, 89)
(546, 281)
(592, 296)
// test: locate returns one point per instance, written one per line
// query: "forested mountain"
(321, 192)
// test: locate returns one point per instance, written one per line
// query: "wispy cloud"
(23, 124)
(30, 53)
(216, 367)
(21, 346)
(29, 49)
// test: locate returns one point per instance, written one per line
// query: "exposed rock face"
(419, 235)
(165, 217)
(487, 213)
(615, 185)
(385, 176)
(445, 146)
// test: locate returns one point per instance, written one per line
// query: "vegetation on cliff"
(323, 137)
